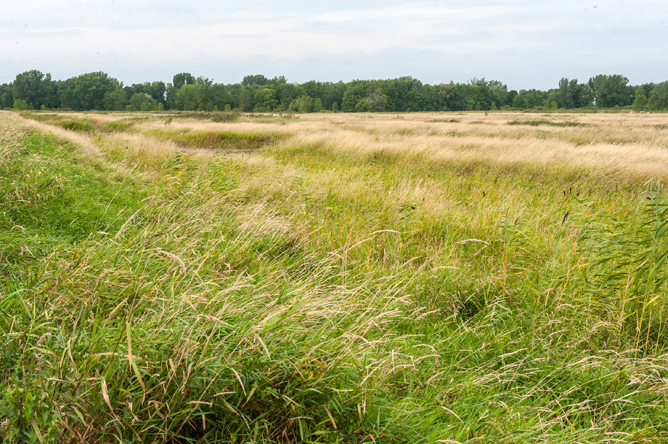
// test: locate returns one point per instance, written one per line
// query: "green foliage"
(335, 107)
(640, 101)
(255, 80)
(520, 102)
(6, 96)
(183, 78)
(21, 105)
(36, 89)
(201, 97)
(375, 102)
(87, 91)
(265, 99)
(257, 92)
(625, 263)
(611, 90)
(115, 100)
(306, 104)
(156, 90)
(142, 102)
(658, 98)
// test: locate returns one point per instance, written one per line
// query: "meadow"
(333, 277)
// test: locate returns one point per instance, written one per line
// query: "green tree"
(520, 102)
(375, 102)
(265, 99)
(87, 91)
(301, 105)
(194, 98)
(115, 100)
(183, 78)
(6, 96)
(246, 100)
(611, 90)
(335, 107)
(256, 80)
(142, 102)
(36, 89)
(640, 101)
(287, 93)
(499, 89)
(658, 99)
(317, 105)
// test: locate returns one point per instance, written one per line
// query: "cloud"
(525, 44)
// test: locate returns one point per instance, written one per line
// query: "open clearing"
(428, 277)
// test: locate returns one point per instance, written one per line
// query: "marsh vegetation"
(432, 277)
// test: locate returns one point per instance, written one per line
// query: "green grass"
(546, 122)
(321, 297)
(218, 139)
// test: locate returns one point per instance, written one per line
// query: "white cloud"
(526, 44)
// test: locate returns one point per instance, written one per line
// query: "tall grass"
(310, 293)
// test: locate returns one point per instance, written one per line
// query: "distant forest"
(257, 93)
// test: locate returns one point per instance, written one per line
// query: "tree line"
(98, 91)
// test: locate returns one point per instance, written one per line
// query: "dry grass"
(634, 143)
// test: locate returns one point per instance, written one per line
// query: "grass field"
(348, 278)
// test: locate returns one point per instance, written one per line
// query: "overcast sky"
(526, 44)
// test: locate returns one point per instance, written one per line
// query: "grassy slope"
(317, 297)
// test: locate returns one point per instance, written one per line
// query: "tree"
(115, 100)
(335, 107)
(246, 100)
(256, 80)
(611, 90)
(36, 89)
(357, 90)
(658, 99)
(265, 99)
(316, 106)
(6, 96)
(183, 78)
(520, 102)
(87, 91)
(301, 105)
(499, 89)
(376, 102)
(287, 93)
(142, 102)
(201, 80)
(579, 95)
(640, 101)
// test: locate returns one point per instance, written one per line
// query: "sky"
(526, 44)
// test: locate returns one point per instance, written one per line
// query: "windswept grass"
(325, 289)
(540, 122)
(218, 139)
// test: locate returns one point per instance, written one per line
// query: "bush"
(142, 102)
(20, 105)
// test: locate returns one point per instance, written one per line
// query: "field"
(423, 278)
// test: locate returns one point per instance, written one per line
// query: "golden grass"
(634, 143)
